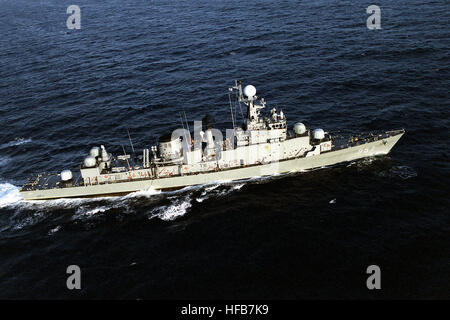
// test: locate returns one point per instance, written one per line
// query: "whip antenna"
(231, 109)
(131, 143)
(185, 118)
(126, 158)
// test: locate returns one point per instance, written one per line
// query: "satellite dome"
(319, 134)
(250, 91)
(66, 175)
(90, 162)
(299, 128)
(95, 152)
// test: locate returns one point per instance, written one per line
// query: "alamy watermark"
(74, 20)
(74, 280)
(374, 20)
(374, 280)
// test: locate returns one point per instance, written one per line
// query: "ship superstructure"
(261, 146)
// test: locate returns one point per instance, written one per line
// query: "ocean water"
(138, 64)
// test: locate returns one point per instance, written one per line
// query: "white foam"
(83, 212)
(209, 192)
(212, 187)
(173, 211)
(97, 210)
(238, 186)
(29, 220)
(54, 230)
(9, 195)
(143, 193)
(15, 142)
(23, 223)
(60, 203)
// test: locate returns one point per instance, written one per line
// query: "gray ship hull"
(336, 156)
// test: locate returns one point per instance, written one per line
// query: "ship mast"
(253, 109)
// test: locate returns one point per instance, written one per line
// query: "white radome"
(319, 134)
(89, 162)
(250, 91)
(95, 152)
(299, 128)
(66, 175)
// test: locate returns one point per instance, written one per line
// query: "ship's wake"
(402, 172)
(179, 207)
(9, 195)
(156, 204)
(18, 214)
(383, 167)
(15, 142)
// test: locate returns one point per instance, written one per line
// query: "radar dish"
(250, 91)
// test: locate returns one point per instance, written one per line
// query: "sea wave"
(402, 172)
(164, 205)
(88, 212)
(15, 142)
(9, 195)
(54, 230)
(20, 221)
(4, 160)
(214, 191)
(173, 211)
(143, 193)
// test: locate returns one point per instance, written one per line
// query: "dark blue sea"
(139, 64)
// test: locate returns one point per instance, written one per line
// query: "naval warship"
(261, 146)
